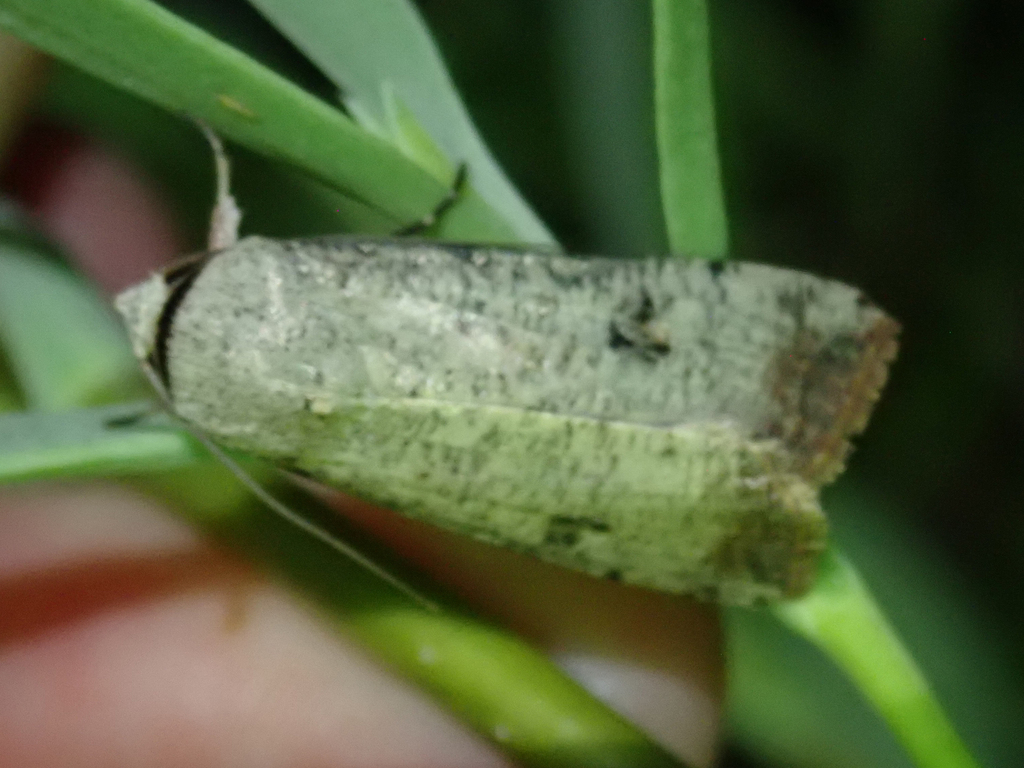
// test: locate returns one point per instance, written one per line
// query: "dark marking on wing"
(635, 327)
(565, 531)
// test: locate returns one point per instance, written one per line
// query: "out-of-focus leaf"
(62, 343)
(90, 442)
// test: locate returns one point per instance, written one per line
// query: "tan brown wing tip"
(827, 454)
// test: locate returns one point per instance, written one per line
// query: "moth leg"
(452, 197)
(226, 215)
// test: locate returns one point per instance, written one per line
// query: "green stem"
(684, 114)
(841, 617)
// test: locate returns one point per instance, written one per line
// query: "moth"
(664, 422)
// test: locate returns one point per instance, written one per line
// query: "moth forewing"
(664, 422)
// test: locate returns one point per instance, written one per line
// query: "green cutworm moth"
(664, 422)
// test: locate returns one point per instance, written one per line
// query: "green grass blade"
(139, 46)
(381, 56)
(684, 115)
(841, 617)
(88, 443)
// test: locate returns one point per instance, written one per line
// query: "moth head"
(141, 307)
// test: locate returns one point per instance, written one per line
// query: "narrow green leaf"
(691, 183)
(90, 442)
(61, 340)
(380, 54)
(840, 616)
(141, 47)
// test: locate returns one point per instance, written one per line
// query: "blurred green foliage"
(874, 142)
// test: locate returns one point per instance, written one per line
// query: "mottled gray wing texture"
(663, 421)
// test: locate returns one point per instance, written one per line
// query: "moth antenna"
(226, 215)
(282, 509)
